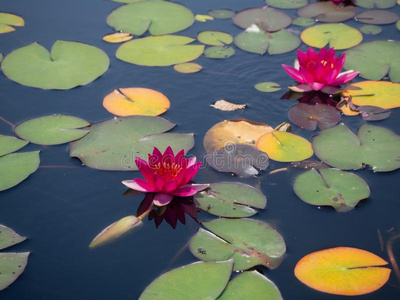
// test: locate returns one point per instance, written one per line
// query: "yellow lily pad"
(7, 21)
(117, 37)
(203, 18)
(187, 68)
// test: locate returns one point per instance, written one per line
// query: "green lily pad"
(157, 17)
(16, 167)
(200, 280)
(375, 3)
(7, 21)
(397, 26)
(70, 64)
(371, 29)
(269, 19)
(375, 59)
(248, 241)
(219, 52)
(327, 12)
(12, 265)
(221, 13)
(1, 57)
(377, 16)
(9, 144)
(251, 285)
(52, 130)
(304, 22)
(267, 87)
(114, 144)
(231, 199)
(164, 50)
(332, 187)
(9, 237)
(214, 38)
(375, 146)
(129, 1)
(260, 42)
(339, 36)
(286, 4)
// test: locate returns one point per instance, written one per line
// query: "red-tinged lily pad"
(231, 199)
(375, 3)
(267, 18)
(373, 113)
(256, 40)
(200, 280)
(375, 59)
(374, 146)
(240, 159)
(114, 144)
(310, 116)
(249, 242)
(331, 187)
(377, 17)
(327, 12)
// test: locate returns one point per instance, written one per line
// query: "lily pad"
(285, 146)
(214, 38)
(52, 130)
(203, 18)
(260, 42)
(249, 242)
(16, 167)
(339, 36)
(221, 13)
(304, 22)
(332, 187)
(373, 113)
(229, 132)
(164, 50)
(267, 18)
(251, 285)
(200, 280)
(9, 237)
(114, 144)
(9, 144)
(286, 4)
(267, 87)
(7, 21)
(12, 265)
(382, 94)
(117, 37)
(377, 16)
(219, 52)
(327, 12)
(157, 17)
(397, 26)
(375, 3)
(70, 64)
(371, 29)
(187, 68)
(310, 116)
(129, 1)
(375, 59)
(374, 146)
(343, 271)
(231, 199)
(240, 159)
(136, 101)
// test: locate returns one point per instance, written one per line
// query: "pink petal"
(317, 86)
(190, 189)
(157, 154)
(162, 199)
(191, 172)
(171, 186)
(158, 183)
(191, 161)
(301, 88)
(340, 62)
(302, 57)
(180, 157)
(344, 77)
(308, 77)
(145, 170)
(138, 186)
(294, 73)
(168, 152)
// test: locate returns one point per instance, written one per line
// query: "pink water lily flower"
(319, 71)
(166, 176)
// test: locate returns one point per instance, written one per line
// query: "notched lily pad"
(371, 29)
(287, 4)
(267, 87)
(248, 241)
(331, 187)
(214, 38)
(52, 130)
(219, 52)
(9, 144)
(117, 37)
(304, 22)
(231, 199)
(377, 17)
(221, 13)
(310, 116)
(327, 12)
(7, 21)
(9, 237)
(375, 3)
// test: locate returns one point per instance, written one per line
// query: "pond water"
(60, 209)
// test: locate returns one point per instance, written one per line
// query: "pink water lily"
(319, 71)
(166, 175)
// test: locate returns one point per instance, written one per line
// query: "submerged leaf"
(9, 237)
(227, 106)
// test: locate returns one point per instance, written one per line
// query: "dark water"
(62, 209)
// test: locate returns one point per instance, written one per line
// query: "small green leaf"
(304, 22)
(221, 13)
(214, 38)
(9, 237)
(11, 267)
(9, 144)
(267, 87)
(219, 52)
(371, 29)
(287, 4)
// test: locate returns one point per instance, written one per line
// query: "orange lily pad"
(239, 131)
(382, 94)
(285, 147)
(136, 101)
(343, 271)
(117, 37)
